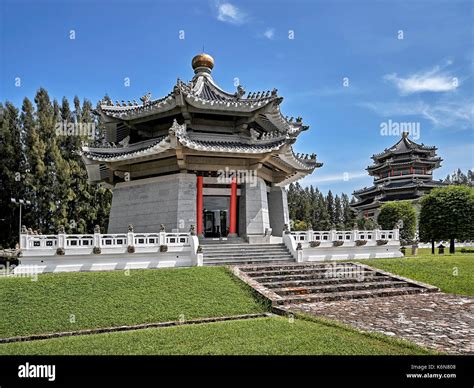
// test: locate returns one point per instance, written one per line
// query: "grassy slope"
(104, 299)
(264, 336)
(451, 273)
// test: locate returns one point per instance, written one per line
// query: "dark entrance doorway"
(216, 216)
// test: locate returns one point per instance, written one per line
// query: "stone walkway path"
(439, 321)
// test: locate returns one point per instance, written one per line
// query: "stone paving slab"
(439, 321)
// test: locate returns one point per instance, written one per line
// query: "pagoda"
(199, 156)
(401, 172)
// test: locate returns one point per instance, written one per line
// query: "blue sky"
(346, 67)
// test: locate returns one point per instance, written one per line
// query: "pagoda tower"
(401, 172)
(199, 156)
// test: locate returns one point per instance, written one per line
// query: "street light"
(21, 202)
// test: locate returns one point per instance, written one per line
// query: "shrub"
(131, 249)
(97, 251)
(60, 252)
(314, 244)
(360, 243)
(392, 212)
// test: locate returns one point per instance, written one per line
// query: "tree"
(331, 209)
(447, 214)
(392, 212)
(338, 215)
(459, 178)
(11, 165)
(44, 167)
(347, 213)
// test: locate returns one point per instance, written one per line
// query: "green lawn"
(73, 301)
(451, 273)
(262, 336)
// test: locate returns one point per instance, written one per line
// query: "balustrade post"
(61, 239)
(162, 235)
(355, 234)
(97, 239)
(377, 233)
(333, 234)
(396, 234)
(130, 239)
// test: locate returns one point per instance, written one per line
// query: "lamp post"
(21, 202)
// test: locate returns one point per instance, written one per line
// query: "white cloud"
(229, 13)
(269, 33)
(332, 178)
(458, 114)
(433, 80)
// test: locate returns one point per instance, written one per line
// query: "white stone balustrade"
(80, 244)
(372, 243)
(347, 236)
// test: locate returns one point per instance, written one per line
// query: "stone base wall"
(147, 203)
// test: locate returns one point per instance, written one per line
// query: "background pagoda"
(165, 159)
(402, 172)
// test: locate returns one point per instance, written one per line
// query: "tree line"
(309, 208)
(42, 165)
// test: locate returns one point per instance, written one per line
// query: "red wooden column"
(233, 207)
(199, 206)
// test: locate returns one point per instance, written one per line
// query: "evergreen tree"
(11, 165)
(331, 209)
(347, 212)
(338, 215)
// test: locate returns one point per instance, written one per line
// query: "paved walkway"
(439, 321)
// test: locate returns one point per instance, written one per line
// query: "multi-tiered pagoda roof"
(197, 119)
(401, 172)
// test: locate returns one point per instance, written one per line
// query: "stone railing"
(318, 245)
(99, 243)
(346, 235)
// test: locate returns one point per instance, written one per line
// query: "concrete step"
(249, 258)
(305, 276)
(244, 261)
(291, 266)
(301, 271)
(316, 282)
(245, 250)
(234, 241)
(247, 247)
(371, 293)
(333, 288)
(248, 254)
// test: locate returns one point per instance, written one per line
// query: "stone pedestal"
(278, 206)
(254, 217)
(147, 203)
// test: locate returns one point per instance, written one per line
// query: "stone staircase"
(242, 253)
(308, 283)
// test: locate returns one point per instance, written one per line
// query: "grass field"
(261, 336)
(451, 273)
(73, 301)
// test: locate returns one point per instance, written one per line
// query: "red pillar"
(233, 207)
(199, 206)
